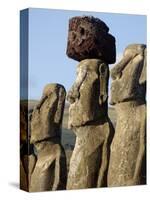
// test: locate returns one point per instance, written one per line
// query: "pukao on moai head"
(47, 116)
(89, 38)
(89, 93)
(129, 75)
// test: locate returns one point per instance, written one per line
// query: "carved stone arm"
(103, 76)
(57, 171)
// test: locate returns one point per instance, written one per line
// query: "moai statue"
(49, 172)
(88, 112)
(127, 160)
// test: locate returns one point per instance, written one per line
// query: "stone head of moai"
(89, 93)
(129, 75)
(88, 37)
(47, 116)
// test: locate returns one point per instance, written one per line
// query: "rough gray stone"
(127, 159)
(47, 116)
(89, 120)
(129, 75)
(50, 169)
(46, 120)
(89, 93)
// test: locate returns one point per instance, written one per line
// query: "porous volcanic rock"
(88, 37)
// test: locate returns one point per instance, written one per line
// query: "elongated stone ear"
(103, 78)
(143, 74)
(60, 105)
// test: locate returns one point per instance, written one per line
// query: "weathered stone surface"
(88, 37)
(127, 159)
(27, 164)
(50, 170)
(89, 120)
(27, 155)
(89, 93)
(23, 177)
(129, 82)
(47, 116)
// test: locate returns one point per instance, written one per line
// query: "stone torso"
(129, 136)
(127, 158)
(89, 120)
(46, 175)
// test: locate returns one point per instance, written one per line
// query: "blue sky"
(48, 30)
